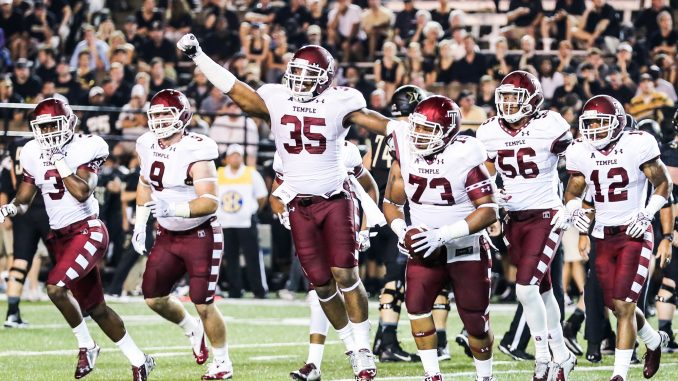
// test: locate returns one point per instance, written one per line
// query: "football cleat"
(515, 354)
(653, 357)
(570, 336)
(617, 378)
(491, 378)
(671, 347)
(543, 371)
(364, 366)
(140, 373)
(86, 360)
(395, 353)
(14, 321)
(462, 340)
(218, 370)
(433, 377)
(308, 372)
(562, 370)
(200, 351)
(444, 353)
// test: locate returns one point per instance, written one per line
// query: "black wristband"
(668, 237)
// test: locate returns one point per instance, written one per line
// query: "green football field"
(267, 340)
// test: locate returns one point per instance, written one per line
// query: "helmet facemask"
(509, 97)
(598, 129)
(53, 131)
(427, 138)
(164, 121)
(303, 79)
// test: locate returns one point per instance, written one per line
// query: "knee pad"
(526, 293)
(319, 323)
(19, 279)
(667, 299)
(445, 305)
(398, 298)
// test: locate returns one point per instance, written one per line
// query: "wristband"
(654, 204)
(63, 168)
(668, 237)
(219, 76)
(456, 230)
(182, 210)
(399, 227)
(141, 218)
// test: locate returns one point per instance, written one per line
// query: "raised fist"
(189, 44)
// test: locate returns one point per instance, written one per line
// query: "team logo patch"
(201, 233)
(546, 215)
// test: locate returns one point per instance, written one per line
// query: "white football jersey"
(83, 151)
(527, 158)
(350, 157)
(309, 136)
(614, 178)
(440, 190)
(167, 170)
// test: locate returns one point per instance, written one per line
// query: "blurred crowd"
(115, 55)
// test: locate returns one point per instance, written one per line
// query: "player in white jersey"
(366, 192)
(309, 118)
(443, 178)
(63, 166)
(616, 166)
(523, 145)
(178, 185)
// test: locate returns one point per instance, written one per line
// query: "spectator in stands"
(314, 36)
(598, 22)
(500, 64)
(96, 48)
(344, 30)
(485, 98)
(7, 95)
(549, 78)
(389, 71)
(243, 193)
(662, 85)
(422, 18)
(443, 73)
(590, 80)
(117, 74)
(159, 46)
(528, 56)
(47, 63)
(469, 69)
(665, 39)
(146, 16)
(523, 18)
(570, 88)
(441, 14)
(416, 71)
(179, 19)
(221, 42)
(131, 122)
(158, 79)
(46, 91)
(12, 21)
(472, 116)
(318, 14)
(234, 127)
(616, 86)
(355, 78)
(668, 67)
(106, 27)
(566, 16)
(377, 102)
(115, 42)
(376, 21)
(131, 32)
(433, 32)
(120, 56)
(257, 46)
(84, 74)
(66, 85)
(275, 63)
(214, 102)
(455, 21)
(197, 123)
(646, 23)
(198, 88)
(41, 26)
(405, 24)
(294, 18)
(458, 36)
(94, 122)
(261, 12)
(144, 79)
(624, 63)
(649, 103)
(26, 85)
(565, 59)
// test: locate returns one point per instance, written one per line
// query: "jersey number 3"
(305, 130)
(60, 189)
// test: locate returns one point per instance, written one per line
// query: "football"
(409, 241)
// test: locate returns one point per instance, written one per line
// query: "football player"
(178, 185)
(523, 145)
(63, 165)
(442, 177)
(367, 193)
(616, 166)
(309, 118)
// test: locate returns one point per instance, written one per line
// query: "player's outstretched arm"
(371, 120)
(243, 95)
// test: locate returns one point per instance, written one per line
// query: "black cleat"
(593, 353)
(394, 353)
(462, 340)
(516, 354)
(570, 337)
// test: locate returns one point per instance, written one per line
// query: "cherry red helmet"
(169, 113)
(433, 124)
(519, 91)
(309, 72)
(602, 121)
(53, 124)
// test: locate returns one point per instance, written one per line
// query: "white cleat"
(219, 370)
(200, 351)
(562, 370)
(364, 368)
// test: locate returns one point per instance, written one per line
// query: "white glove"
(562, 219)
(501, 197)
(189, 44)
(160, 208)
(56, 154)
(580, 220)
(364, 240)
(430, 240)
(7, 210)
(284, 219)
(400, 228)
(139, 241)
(638, 224)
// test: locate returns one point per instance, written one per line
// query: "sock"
(555, 330)
(622, 362)
(221, 354)
(576, 319)
(557, 344)
(346, 335)
(135, 356)
(534, 312)
(429, 359)
(361, 334)
(189, 324)
(388, 334)
(483, 367)
(13, 305)
(649, 336)
(442, 338)
(82, 335)
(315, 354)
